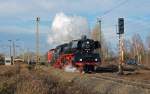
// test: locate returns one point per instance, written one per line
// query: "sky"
(17, 19)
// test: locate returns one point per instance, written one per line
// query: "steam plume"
(66, 28)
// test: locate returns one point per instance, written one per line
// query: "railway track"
(122, 81)
(142, 83)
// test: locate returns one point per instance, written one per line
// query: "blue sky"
(17, 18)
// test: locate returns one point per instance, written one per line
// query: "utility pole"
(10, 51)
(14, 52)
(23, 54)
(37, 40)
(13, 47)
(23, 50)
(100, 38)
(28, 57)
(10, 48)
(121, 45)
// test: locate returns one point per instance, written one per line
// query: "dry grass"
(21, 79)
(7, 79)
(24, 79)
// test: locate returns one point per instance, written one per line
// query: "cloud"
(38, 7)
(18, 16)
(45, 7)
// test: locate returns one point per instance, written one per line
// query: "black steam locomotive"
(79, 53)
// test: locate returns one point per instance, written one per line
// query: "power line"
(113, 8)
(139, 20)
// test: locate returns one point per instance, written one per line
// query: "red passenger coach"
(50, 55)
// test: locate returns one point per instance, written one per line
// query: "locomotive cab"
(60, 50)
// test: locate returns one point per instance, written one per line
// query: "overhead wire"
(137, 20)
(113, 8)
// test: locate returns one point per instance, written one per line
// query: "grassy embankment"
(22, 79)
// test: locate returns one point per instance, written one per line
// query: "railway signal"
(121, 45)
(121, 25)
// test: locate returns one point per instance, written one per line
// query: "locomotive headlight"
(80, 59)
(96, 59)
(87, 42)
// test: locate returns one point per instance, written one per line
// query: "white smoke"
(70, 68)
(66, 28)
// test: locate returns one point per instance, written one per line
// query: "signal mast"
(121, 45)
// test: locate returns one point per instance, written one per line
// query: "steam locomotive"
(80, 54)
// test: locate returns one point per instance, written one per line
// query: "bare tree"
(137, 47)
(127, 49)
(2, 57)
(147, 44)
(106, 50)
